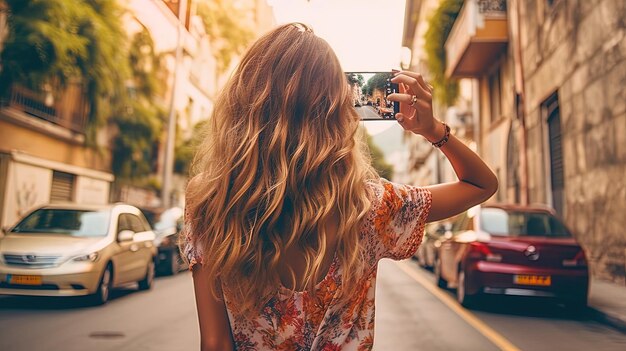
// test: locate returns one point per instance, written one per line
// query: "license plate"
(538, 280)
(25, 279)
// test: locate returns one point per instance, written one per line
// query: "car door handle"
(134, 248)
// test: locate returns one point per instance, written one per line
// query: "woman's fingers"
(419, 79)
(414, 86)
(405, 98)
(408, 99)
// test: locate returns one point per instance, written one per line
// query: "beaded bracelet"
(445, 138)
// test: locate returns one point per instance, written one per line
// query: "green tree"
(224, 24)
(356, 78)
(56, 41)
(439, 27)
(185, 149)
(383, 168)
(377, 81)
(139, 120)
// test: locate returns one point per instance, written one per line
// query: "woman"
(286, 220)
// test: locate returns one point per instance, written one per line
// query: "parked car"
(74, 250)
(512, 250)
(167, 225)
(433, 235)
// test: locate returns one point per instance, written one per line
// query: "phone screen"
(369, 95)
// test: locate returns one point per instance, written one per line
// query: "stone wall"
(577, 48)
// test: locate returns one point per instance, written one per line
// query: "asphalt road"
(367, 112)
(412, 314)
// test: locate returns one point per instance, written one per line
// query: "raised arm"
(476, 183)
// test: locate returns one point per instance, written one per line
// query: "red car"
(512, 250)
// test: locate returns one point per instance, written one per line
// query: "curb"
(608, 319)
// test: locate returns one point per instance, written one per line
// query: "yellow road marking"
(493, 336)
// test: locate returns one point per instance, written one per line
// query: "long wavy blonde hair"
(283, 152)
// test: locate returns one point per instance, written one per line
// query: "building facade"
(552, 110)
(196, 79)
(43, 154)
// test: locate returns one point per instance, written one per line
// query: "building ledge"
(25, 120)
(23, 157)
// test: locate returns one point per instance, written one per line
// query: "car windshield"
(515, 223)
(81, 223)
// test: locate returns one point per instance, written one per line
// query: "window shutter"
(62, 187)
(556, 154)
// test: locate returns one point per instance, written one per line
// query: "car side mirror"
(125, 235)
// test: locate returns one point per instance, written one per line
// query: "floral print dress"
(393, 228)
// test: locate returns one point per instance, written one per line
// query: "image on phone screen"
(369, 95)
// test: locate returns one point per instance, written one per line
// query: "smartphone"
(369, 95)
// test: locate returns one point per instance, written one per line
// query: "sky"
(365, 34)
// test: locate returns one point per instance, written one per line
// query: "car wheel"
(461, 291)
(104, 287)
(146, 282)
(442, 283)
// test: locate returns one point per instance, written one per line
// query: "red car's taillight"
(481, 251)
(580, 260)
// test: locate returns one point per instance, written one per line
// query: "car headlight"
(92, 257)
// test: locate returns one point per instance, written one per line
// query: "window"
(123, 223)
(557, 176)
(517, 223)
(495, 90)
(62, 189)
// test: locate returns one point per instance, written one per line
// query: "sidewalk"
(607, 302)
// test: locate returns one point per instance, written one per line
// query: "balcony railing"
(479, 34)
(68, 110)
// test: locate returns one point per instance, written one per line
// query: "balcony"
(479, 35)
(68, 110)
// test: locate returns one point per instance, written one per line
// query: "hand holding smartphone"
(369, 94)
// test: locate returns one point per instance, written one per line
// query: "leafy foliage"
(355, 78)
(185, 150)
(139, 119)
(377, 81)
(138, 129)
(59, 40)
(224, 25)
(383, 168)
(439, 27)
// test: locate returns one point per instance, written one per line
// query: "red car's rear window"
(517, 223)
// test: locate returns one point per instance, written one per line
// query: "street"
(367, 112)
(411, 315)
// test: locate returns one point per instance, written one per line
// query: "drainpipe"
(520, 90)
